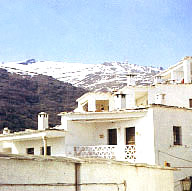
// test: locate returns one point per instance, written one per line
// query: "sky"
(144, 32)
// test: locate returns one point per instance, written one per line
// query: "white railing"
(102, 151)
(124, 153)
(130, 153)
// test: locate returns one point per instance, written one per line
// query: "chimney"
(6, 131)
(131, 79)
(43, 121)
(157, 80)
(160, 99)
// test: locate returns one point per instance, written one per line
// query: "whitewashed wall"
(28, 175)
(164, 120)
(23, 174)
(80, 133)
(57, 146)
(175, 95)
(145, 139)
(137, 178)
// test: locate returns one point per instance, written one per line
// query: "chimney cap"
(6, 131)
(43, 113)
(158, 76)
(131, 74)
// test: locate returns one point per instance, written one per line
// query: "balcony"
(121, 153)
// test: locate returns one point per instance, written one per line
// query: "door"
(130, 136)
(112, 136)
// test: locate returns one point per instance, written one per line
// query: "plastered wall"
(20, 174)
(176, 155)
(57, 146)
(175, 95)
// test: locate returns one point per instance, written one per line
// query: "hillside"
(95, 77)
(23, 97)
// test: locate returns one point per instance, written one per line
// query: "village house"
(139, 124)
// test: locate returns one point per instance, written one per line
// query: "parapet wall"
(21, 173)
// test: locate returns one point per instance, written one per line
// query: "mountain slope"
(23, 97)
(103, 77)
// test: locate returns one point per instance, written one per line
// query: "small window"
(48, 150)
(177, 135)
(30, 151)
(190, 103)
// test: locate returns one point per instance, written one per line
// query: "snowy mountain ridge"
(95, 77)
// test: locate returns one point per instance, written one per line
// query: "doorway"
(130, 136)
(112, 136)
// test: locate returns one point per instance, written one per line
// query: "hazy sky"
(144, 32)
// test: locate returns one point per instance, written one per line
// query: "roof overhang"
(105, 116)
(22, 136)
(95, 94)
(177, 66)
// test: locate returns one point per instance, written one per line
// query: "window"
(30, 151)
(48, 150)
(176, 135)
(112, 136)
(85, 107)
(186, 183)
(130, 136)
(190, 103)
(102, 105)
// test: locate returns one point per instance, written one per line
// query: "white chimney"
(6, 131)
(42, 121)
(157, 80)
(131, 79)
(160, 99)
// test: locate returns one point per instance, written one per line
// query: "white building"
(140, 124)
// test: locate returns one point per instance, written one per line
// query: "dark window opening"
(102, 105)
(85, 107)
(176, 135)
(190, 103)
(112, 136)
(48, 150)
(130, 136)
(30, 151)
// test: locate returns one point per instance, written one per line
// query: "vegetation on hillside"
(23, 97)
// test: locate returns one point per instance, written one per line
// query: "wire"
(176, 157)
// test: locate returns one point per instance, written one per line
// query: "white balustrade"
(130, 153)
(102, 151)
(107, 151)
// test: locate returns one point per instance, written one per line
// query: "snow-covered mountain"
(95, 77)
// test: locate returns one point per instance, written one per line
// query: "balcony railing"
(124, 153)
